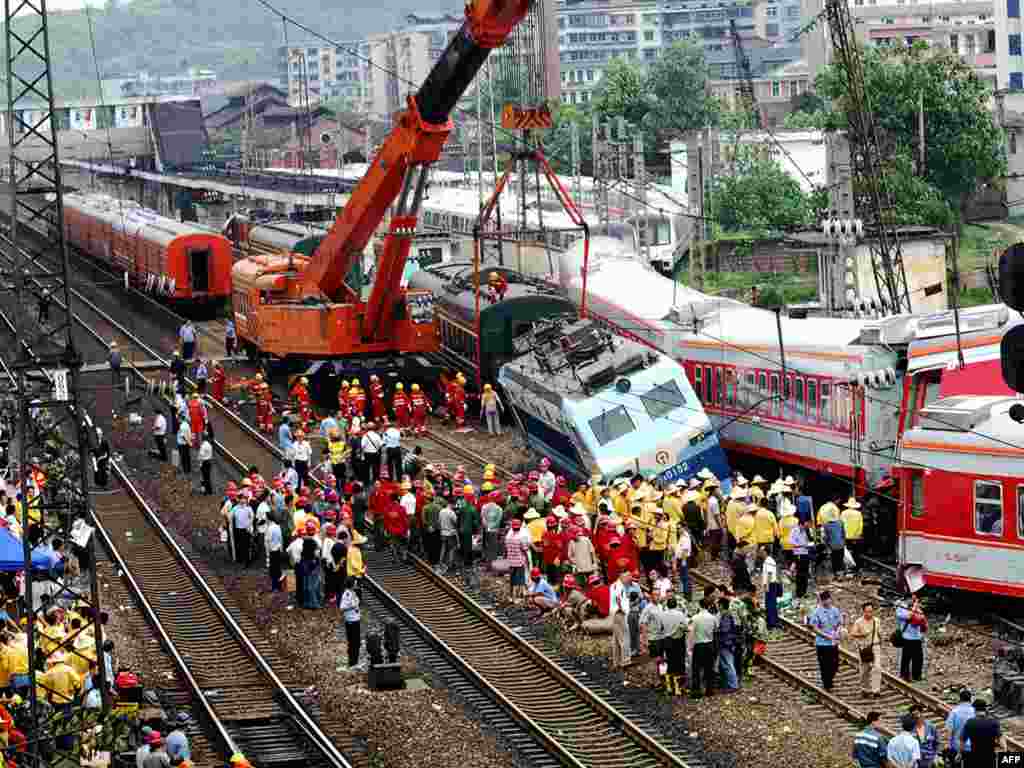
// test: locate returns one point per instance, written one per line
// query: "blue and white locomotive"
(600, 404)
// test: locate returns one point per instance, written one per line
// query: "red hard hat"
(533, 475)
(331, 529)
(552, 521)
(535, 573)
(331, 514)
(569, 582)
(561, 480)
(594, 579)
(232, 486)
(516, 523)
(310, 526)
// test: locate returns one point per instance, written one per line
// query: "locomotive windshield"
(611, 425)
(663, 399)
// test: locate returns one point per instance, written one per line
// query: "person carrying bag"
(870, 653)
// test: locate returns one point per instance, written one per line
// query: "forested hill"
(237, 38)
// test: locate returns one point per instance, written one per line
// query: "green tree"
(963, 144)
(677, 93)
(758, 195)
(621, 92)
(558, 141)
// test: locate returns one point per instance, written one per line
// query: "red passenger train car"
(181, 262)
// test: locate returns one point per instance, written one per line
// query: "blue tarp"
(12, 555)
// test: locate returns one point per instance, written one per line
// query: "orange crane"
(292, 306)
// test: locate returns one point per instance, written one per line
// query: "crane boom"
(400, 168)
(744, 74)
(872, 198)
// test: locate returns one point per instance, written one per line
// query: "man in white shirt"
(684, 548)
(449, 524)
(393, 452)
(771, 587)
(371, 445)
(206, 464)
(185, 447)
(619, 611)
(241, 520)
(159, 436)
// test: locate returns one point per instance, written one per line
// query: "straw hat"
(712, 482)
(694, 483)
(705, 474)
(531, 514)
(560, 512)
(852, 504)
(740, 479)
(789, 481)
(358, 538)
(758, 480)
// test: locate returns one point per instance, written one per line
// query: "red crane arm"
(414, 143)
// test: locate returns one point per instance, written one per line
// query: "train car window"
(776, 405)
(812, 400)
(916, 494)
(611, 425)
(698, 381)
(750, 393)
(826, 401)
(798, 396)
(708, 391)
(762, 391)
(719, 387)
(663, 399)
(1020, 511)
(988, 508)
(661, 230)
(730, 387)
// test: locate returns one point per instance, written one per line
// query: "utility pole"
(922, 162)
(640, 175)
(574, 148)
(46, 367)
(622, 156)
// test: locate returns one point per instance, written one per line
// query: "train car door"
(199, 269)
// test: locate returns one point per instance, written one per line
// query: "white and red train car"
(178, 261)
(961, 474)
(833, 408)
(883, 403)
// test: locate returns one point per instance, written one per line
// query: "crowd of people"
(973, 739)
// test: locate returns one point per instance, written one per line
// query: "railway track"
(569, 715)
(235, 689)
(791, 659)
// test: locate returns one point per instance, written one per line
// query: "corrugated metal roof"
(180, 133)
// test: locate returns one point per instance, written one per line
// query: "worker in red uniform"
(300, 398)
(357, 400)
(218, 382)
(400, 405)
(255, 386)
(623, 558)
(420, 408)
(457, 400)
(197, 418)
(265, 410)
(497, 285)
(561, 496)
(552, 545)
(599, 595)
(377, 405)
(396, 525)
(343, 400)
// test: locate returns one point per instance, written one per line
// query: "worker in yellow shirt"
(766, 528)
(828, 512)
(658, 540)
(354, 559)
(60, 683)
(853, 528)
(746, 524)
(14, 659)
(733, 511)
(620, 499)
(788, 522)
(673, 504)
(535, 524)
(757, 488)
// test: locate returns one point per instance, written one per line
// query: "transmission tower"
(872, 199)
(51, 433)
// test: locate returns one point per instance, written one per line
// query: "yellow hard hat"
(490, 467)
(488, 486)
(399, 387)
(467, 488)
(488, 474)
(415, 387)
(487, 387)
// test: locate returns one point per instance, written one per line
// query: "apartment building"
(593, 32)
(968, 27)
(323, 72)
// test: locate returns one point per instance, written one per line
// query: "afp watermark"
(1010, 759)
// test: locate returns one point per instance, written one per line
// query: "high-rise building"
(324, 72)
(593, 32)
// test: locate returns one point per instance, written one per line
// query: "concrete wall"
(85, 146)
(925, 265)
